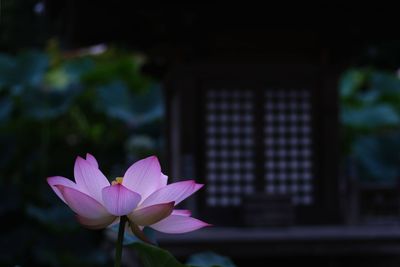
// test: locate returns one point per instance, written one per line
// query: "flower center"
(117, 180)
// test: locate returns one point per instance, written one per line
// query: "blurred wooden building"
(252, 112)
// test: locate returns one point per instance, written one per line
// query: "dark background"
(189, 48)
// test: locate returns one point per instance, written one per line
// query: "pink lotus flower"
(142, 195)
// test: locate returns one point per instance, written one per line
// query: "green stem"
(118, 249)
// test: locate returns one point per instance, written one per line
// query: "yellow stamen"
(117, 180)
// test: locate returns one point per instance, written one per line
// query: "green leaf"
(385, 82)
(70, 72)
(152, 256)
(25, 70)
(117, 101)
(381, 115)
(350, 82)
(369, 98)
(210, 259)
(42, 104)
(31, 68)
(148, 106)
(378, 158)
(7, 66)
(6, 106)
(57, 78)
(76, 68)
(117, 65)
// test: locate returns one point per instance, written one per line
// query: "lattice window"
(229, 146)
(231, 149)
(288, 150)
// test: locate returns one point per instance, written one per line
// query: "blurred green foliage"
(209, 259)
(53, 107)
(152, 256)
(370, 115)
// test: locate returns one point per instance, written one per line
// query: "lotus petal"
(164, 180)
(119, 200)
(138, 232)
(144, 176)
(58, 180)
(84, 205)
(173, 192)
(90, 178)
(92, 160)
(176, 224)
(151, 214)
(182, 212)
(96, 223)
